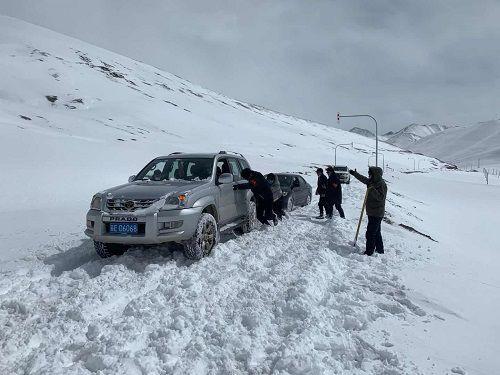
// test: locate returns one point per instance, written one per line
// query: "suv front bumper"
(344, 178)
(153, 228)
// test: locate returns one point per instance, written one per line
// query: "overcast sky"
(401, 61)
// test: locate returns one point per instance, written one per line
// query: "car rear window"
(285, 180)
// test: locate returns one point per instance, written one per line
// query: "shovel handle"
(360, 218)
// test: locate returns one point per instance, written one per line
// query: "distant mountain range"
(464, 145)
(459, 145)
(363, 132)
(412, 133)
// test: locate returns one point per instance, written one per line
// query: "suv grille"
(129, 205)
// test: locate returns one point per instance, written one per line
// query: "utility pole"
(376, 131)
(383, 160)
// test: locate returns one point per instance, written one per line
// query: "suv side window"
(222, 167)
(243, 164)
(235, 168)
(302, 181)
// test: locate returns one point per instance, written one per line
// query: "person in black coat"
(321, 191)
(262, 193)
(333, 194)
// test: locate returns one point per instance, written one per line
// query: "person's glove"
(352, 171)
(235, 187)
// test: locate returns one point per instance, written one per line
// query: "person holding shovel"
(375, 207)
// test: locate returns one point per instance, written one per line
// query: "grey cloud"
(402, 61)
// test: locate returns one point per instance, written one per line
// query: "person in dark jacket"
(333, 193)
(375, 207)
(277, 195)
(262, 193)
(321, 191)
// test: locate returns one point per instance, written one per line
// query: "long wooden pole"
(360, 218)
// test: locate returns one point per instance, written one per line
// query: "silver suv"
(180, 198)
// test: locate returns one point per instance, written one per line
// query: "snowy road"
(289, 299)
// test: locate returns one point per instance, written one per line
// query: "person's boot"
(368, 253)
(320, 216)
(380, 251)
(264, 222)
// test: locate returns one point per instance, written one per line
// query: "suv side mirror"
(131, 178)
(225, 178)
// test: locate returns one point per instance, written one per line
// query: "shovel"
(360, 219)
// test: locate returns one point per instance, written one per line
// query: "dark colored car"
(296, 191)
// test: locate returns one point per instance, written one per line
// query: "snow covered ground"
(292, 299)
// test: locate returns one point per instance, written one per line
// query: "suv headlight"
(96, 202)
(175, 201)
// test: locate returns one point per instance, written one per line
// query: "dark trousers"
(278, 207)
(264, 209)
(374, 236)
(329, 209)
(322, 204)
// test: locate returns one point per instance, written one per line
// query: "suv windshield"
(285, 180)
(342, 169)
(171, 169)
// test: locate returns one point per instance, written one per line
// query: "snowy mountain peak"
(475, 145)
(414, 132)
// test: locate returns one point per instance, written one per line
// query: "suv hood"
(150, 189)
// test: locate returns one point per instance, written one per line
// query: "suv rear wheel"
(308, 200)
(204, 239)
(106, 250)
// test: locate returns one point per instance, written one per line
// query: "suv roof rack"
(175, 153)
(232, 152)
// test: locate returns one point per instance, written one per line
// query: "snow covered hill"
(410, 134)
(293, 299)
(464, 145)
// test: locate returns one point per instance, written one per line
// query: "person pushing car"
(277, 195)
(262, 193)
(321, 191)
(375, 207)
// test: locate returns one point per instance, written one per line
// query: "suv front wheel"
(204, 239)
(251, 221)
